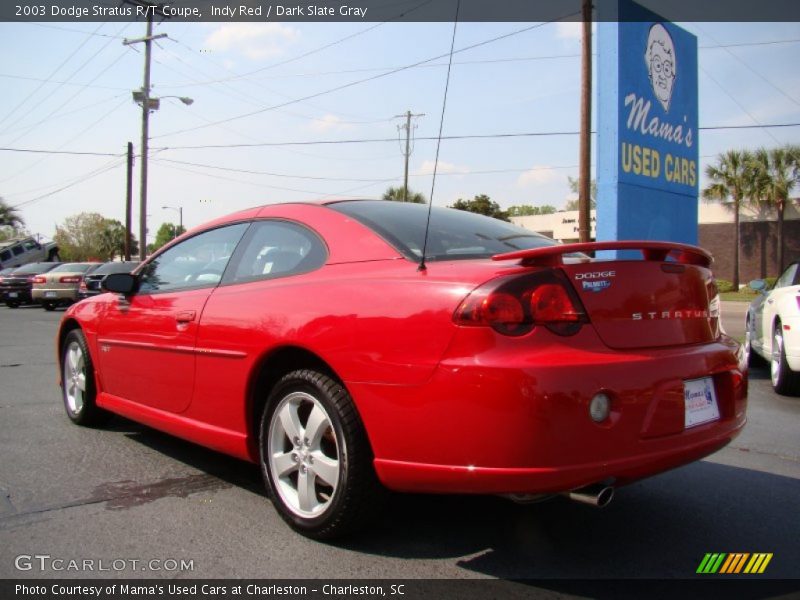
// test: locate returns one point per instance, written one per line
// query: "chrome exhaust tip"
(595, 495)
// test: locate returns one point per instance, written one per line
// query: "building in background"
(759, 236)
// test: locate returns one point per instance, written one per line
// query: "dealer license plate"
(13, 294)
(700, 402)
(50, 295)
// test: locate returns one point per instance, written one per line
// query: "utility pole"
(144, 96)
(584, 176)
(129, 202)
(407, 152)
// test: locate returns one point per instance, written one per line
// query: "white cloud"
(571, 30)
(255, 41)
(328, 123)
(537, 175)
(444, 167)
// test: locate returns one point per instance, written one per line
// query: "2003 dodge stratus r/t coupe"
(308, 338)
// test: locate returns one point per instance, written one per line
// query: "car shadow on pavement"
(236, 472)
(659, 527)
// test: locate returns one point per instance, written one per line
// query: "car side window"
(787, 278)
(197, 262)
(17, 250)
(278, 249)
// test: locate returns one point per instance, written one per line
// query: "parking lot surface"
(125, 492)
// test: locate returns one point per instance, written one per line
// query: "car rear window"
(34, 268)
(454, 234)
(73, 268)
(115, 267)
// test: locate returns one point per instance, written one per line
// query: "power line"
(78, 31)
(92, 175)
(236, 76)
(70, 112)
(393, 140)
(462, 62)
(268, 173)
(99, 87)
(68, 152)
(756, 73)
(446, 137)
(52, 74)
(365, 80)
(74, 73)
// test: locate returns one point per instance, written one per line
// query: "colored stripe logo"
(734, 563)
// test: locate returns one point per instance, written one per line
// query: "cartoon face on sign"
(661, 63)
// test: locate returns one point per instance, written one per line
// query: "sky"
(67, 89)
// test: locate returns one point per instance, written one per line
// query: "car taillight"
(37, 279)
(515, 304)
(69, 279)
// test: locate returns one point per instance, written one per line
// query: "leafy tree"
(112, 240)
(732, 183)
(11, 222)
(527, 210)
(166, 233)
(775, 172)
(396, 194)
(573, 187)
(89, 236)
(483, 205)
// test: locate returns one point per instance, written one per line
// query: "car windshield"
(454, 234)
(73, 268)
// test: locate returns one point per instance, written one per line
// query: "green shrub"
(723, 285)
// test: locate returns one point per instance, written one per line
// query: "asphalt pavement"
(128, 493)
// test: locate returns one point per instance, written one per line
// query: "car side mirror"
(758, 285)
(120, 283)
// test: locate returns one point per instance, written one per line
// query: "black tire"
(784, 381)
(12, 304)
(76, 370)
(49, 306)
(355, 498)
(54, 257)
(753, 358)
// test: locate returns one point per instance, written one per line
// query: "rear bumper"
(16, 295)
(503, 421)
(57, 295)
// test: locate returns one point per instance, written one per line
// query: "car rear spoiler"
(656, 251)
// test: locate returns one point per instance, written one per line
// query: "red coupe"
(312, 339)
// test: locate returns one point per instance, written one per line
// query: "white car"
(773, 329)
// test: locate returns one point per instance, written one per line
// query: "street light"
(148, 103)
(180, 218)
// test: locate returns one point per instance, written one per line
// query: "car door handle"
(185, 316)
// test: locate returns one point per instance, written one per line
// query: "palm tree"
(776, 172)
(396, 193)
(9, 216)
(732, 182)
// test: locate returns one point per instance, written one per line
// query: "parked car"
(772, 329)
(15, 289)
(59, 286)
(313, 340)
(90, 286)
(18, 252)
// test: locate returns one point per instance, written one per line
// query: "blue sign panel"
(647, 129)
